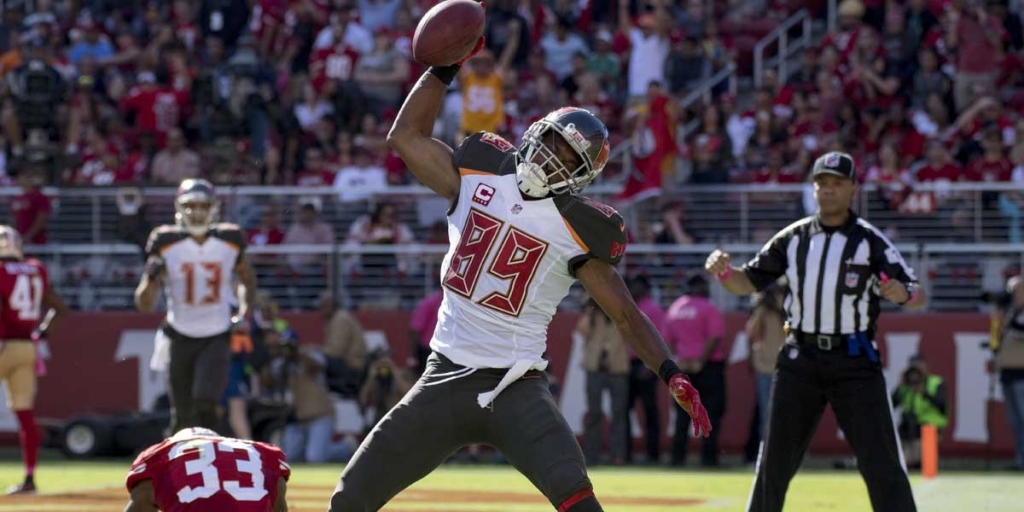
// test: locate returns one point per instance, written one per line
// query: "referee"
(837, 266)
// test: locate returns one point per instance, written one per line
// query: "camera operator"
(384, 386)
(34, 88)
(922, 397)
(299, 374)
(1010, 360)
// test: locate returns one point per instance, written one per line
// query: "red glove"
(476, 49)
(689, 399)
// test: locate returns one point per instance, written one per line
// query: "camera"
(913, 376)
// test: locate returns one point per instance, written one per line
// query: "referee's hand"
(718, 263)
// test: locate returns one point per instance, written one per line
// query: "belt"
(821, 341)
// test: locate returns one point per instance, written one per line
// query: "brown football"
(448, 32)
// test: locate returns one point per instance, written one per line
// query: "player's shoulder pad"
(597, 228)
(485, 153)
(163, 237)
(230, 233)
(144, 465)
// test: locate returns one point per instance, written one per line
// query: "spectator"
(381, 268)
(352, 33)
(891, 178)
(649, 47)
(301, 371)
(384, 387)
(976, 36)
(766, 331)
(91, 45)
(360, 180)
(849, 31)
(1011, 202)
(177, 162)
(344, 346)
(606, 361)
(673, 226)
(225, 19)
(992, 165)
(571, 83)
(643, 383)
(605, 64)
(421, 329)
(928, 79)
(312, 108)
(922, 397)
(1010, 361)
(383, 72)
(560, 45)
(897, 44)
(694, 327)
(157, 107)
(711, 150)
(31, 210)
(378, 14)
(919, 21)
(482, 99)
(686, 66)
(693, 20)
(308, 229)
(268, 233)
(317, 171)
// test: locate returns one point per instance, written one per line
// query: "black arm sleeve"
(770, 263)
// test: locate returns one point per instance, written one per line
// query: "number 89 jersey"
(197, 473)
(511, 261)
(22, 285)
(198, 278)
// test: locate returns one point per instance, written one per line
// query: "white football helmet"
(195, 206)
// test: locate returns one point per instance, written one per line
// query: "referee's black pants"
(805, 380)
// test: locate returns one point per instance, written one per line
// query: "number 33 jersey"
(511, 260)
(22, 285)
(198, 277)
(211, 474)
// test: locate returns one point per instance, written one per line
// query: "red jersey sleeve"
(275, 458)
(147, 464)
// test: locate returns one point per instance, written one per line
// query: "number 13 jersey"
(198, 277)
(511, 261)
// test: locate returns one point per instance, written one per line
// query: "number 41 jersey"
(22, 285)
(211, 474)
(512, 260)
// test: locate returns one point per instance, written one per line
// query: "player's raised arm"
(605, 286)
(429, 159)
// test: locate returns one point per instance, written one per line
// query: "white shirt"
(646, 60)
(356, 36)
(357, 183)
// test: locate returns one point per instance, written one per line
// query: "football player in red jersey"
(197, 470)
(24, 293)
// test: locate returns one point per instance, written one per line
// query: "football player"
(194, 261)
(520, 236)
(197, 470)
(24, 294)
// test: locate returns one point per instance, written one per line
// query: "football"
(448, 32)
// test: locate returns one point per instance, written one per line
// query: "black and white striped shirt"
(832, 273)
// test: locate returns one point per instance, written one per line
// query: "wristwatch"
(911, 292)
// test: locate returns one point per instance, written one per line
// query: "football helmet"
(10, 243)
(195, 206)
(548, 174)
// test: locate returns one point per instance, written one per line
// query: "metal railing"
(785, 48)
(103, 276)
(704, 89)
(958, 212)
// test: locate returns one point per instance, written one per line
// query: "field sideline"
(97, 486)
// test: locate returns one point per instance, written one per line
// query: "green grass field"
(97, 486)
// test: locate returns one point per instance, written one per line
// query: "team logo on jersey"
(517, 209)
(852, 278)
(483, 194)
(496, 141)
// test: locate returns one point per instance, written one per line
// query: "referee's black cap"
(835, 162)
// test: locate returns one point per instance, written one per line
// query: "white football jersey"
(199, 282)
(511, 260)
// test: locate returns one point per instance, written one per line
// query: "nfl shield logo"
(832, 160)
(517, 209)
(852, 279)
